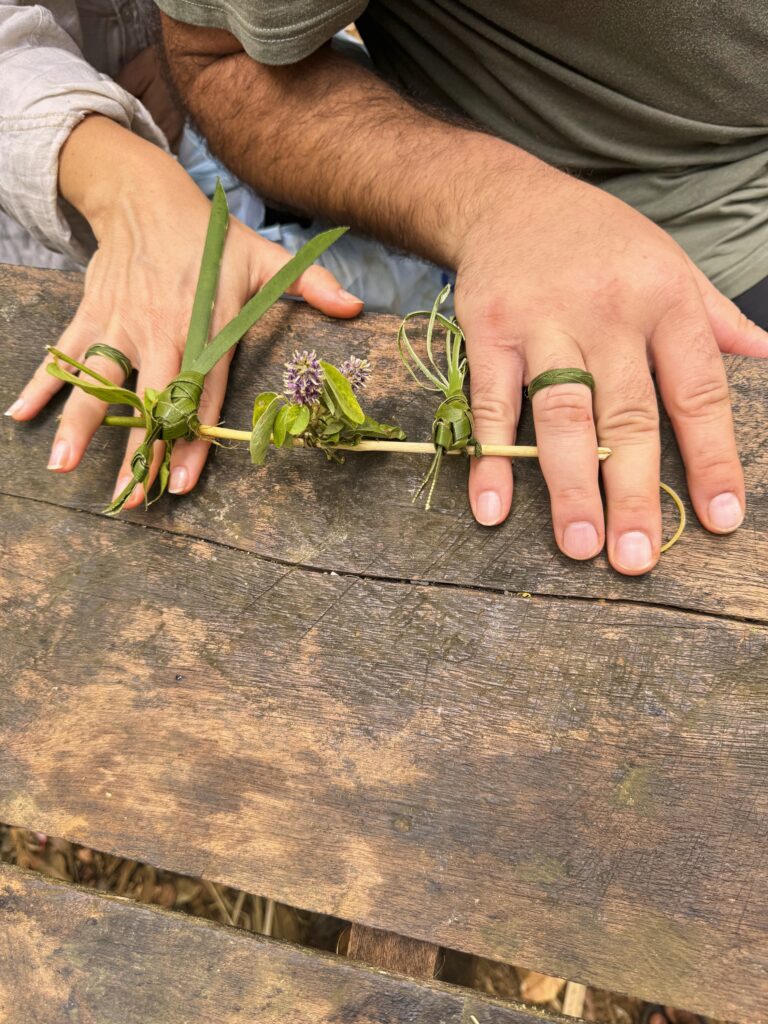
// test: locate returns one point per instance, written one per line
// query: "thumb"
(734, 332)
(317, 286)
(320, 289)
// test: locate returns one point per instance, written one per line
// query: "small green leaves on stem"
(262, 401)
(262, 426)
(339, 395)
(332, 417)
(292, 421)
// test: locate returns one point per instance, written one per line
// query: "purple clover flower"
(303, 378)
(357, 371)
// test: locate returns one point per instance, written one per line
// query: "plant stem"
(517, 451)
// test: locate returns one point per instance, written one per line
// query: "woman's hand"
(150, 220)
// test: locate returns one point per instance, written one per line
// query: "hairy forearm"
(329, 137)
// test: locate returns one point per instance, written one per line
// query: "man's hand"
(579, 279)
(150, 220)
(551, 273)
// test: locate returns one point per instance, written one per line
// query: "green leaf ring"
(114, 354)
(570, 375)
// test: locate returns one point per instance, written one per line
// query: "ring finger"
(627, 417)
(83, 413)
(567, 442)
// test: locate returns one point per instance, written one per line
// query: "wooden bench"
(297, 683)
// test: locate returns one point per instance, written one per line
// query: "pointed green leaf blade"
(262, 300)
(208, 279)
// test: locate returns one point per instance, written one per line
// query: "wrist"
(497, 184)
(102, 164)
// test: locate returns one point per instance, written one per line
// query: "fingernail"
(488, 508)
(17, 406)
(178, 481)
(580, 540)
(121, 484)
(348, 296)
(725, 512)
(633, 550)
(59, 455)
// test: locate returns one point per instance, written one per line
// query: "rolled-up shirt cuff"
(54, 102)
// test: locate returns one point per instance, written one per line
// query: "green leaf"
(208, 279)
(105, 389)
(298, 419)
(341, 391)
(163, 475)
(369, 429)
(261, 403)
(280, 428)
(291, 421)
(326, 400)
(117, 503)
(262, 431)
(268, 296)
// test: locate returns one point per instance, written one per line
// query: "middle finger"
(161, 367)
(565, 435)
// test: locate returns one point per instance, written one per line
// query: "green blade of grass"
(208, 279)
(262, 300)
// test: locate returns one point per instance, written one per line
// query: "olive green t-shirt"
(665, 105)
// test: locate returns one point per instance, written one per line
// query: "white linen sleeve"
(46, 89)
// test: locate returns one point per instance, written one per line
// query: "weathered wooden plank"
(68, 954)
(393, 952)
(572, 786)
(359, 518)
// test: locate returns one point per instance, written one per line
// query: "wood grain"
(359, 518)
(392, 952)
(573, 786)
(67, 954)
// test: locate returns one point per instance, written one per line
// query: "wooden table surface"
(295, 682)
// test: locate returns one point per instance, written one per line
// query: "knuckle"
(564, 407)
(88, 318)
(493, 324)
(700, 396)
(576, 496)
(674, 285)
(630, 422)
(632, 506)
(487, 409)
(717, 465)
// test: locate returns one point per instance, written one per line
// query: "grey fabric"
(754, 303)
(665, 105)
